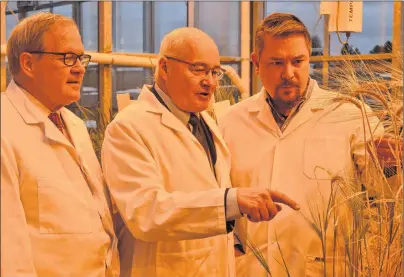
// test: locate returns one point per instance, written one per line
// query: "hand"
(386, 148)
(261, 204)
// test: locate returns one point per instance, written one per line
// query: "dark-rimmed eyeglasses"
(201, 69)
(69, 59)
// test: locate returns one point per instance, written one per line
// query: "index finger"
(280, 197)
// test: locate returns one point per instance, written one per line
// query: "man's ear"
(163, 69)
(27, 64)
(254, 59)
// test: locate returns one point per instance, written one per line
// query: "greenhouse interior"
(167, 202)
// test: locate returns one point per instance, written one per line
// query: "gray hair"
(28, 36)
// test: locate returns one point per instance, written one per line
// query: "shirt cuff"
(232, 209)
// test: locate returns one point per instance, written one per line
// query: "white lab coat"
(290, 162)
(167, 194)
(55, 217)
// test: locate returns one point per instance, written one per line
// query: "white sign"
(344, 16)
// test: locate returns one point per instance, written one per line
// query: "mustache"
(288, 83)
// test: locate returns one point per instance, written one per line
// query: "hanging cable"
(348, 34)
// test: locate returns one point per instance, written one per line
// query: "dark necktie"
(197, 131)
(57, 120)
(200, 130)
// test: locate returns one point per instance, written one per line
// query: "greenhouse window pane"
(11, 5)
(376, 25)
(66, 10)
(168, 16)
(316, 72)
(221, 20)
(130, 80)
(376, 29)
(37, 11)
(89, 89)
(128, 26)
(11, 22)
(89, 25)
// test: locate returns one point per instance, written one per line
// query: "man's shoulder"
(134, 110)
(340, 107)
(4, 101)
(9, 113)
(72, 117)
(240, 109)
(134, 114)
(71, 114)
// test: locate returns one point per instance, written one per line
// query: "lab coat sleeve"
(151, 212)
(16, 254)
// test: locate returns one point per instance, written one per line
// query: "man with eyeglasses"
(55, 207)
(167, 168)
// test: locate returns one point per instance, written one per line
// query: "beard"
(286, 100)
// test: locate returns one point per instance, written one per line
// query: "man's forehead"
(281, 39)
(62, 29)
(292, 46)
(204, 53)
(192, 45)
(64, 36)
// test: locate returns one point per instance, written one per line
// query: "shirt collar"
(183, 116)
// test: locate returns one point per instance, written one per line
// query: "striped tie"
(57, 120)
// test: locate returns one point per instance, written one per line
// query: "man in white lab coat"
(287, 138)
(168, 170)
(55, 216)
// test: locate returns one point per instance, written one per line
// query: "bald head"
(186, 71)
(186, 42)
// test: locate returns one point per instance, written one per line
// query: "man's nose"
(78, 67)
(209, 79)
(288, 72)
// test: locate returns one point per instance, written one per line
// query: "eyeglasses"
(69, 59)
(201, 69)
